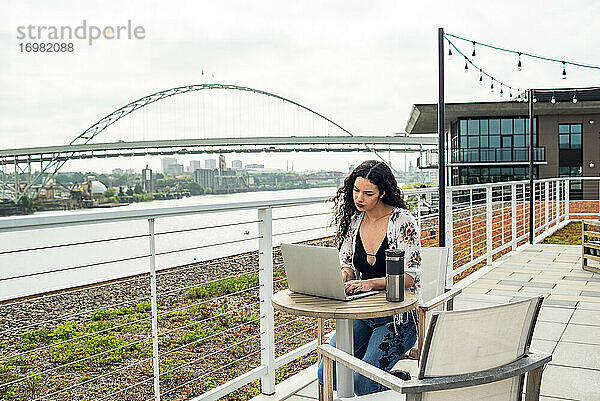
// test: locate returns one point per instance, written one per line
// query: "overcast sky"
(362, 64)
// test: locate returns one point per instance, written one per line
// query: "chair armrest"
(440, 299)
(533, 360)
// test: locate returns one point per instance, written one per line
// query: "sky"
(361, 64)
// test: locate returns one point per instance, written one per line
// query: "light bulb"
(574, 98)
(510, 92)
(492, 85)
(473, 54)
(519, 65)
(501, 90)
(534, 99)
(564, 73)
(449, 53)
(466, 66)
(553, 100)
(480, 77)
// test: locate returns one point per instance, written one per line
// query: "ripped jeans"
(377, 343)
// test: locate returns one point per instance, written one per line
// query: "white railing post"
(546, 204)
(471, 221)
(419, 211)
(488, 223)
(265, 275)
(513, 215)
(557, 200)
(154, 309)
(449, 242)
(567, 197)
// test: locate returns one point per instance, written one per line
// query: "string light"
(510, 92)
(553, 100)
(534, 99)
(501, 90)
(466, 65)
(520, 53)
(492, 85)
(480, 77)
(575, 97)
(449, 53)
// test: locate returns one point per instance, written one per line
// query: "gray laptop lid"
(313, 270)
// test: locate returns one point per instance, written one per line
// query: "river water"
(179, 241)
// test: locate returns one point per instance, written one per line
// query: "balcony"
(174, 303)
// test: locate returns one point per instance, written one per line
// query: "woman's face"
(366, 194)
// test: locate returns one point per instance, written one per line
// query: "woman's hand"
(353, 286)
(347, 274)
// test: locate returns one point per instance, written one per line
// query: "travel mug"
(394, 273)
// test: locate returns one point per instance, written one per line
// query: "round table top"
(371, 306)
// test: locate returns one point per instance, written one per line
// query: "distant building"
(205, 177)
(174, 169)
(195, 165)
(117, 171)
(130, 171)
(147, 182)
(166, 162)
(210, 164)
(351, 168)
(222, 164)
(236, 164)
(251, 165)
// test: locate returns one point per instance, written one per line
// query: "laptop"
(316, 270)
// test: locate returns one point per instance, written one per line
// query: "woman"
(371, 216)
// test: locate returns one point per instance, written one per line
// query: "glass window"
(483, 126)
(494, 141)
(563, 141)
(519, 125)
(563, 171)
(563, 128)
(463, 142)
(507, 142)
(506, 127)
(519, 141)
(463, 127)
(507, 171)
(494, 126)
(473, 127)
(473, 142)
(505, 155)
(576, 128)
(495, 171)
(575, 141)
(576, 171)
(483, 141)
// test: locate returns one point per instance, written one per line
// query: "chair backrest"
(434, 262)
(467, 341)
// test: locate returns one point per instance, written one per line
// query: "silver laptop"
(315, 270)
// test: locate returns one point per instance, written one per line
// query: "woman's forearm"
(379, 283)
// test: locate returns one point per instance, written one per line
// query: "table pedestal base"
(344, 340)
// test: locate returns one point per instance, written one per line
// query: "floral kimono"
(402, 233)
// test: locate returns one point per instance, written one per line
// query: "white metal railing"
(150, 304)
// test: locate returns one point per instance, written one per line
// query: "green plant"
(86, 347)
(222, 287)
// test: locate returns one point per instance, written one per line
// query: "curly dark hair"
(344, 208)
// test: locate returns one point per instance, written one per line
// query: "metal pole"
(531, 188)
(441, 142)
(154, 308)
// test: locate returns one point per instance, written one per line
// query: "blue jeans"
(376, 342)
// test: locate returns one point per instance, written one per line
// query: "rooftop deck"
(568, 325)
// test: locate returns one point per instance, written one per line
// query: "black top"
(360, 259)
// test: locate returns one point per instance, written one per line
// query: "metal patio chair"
(473, 354)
